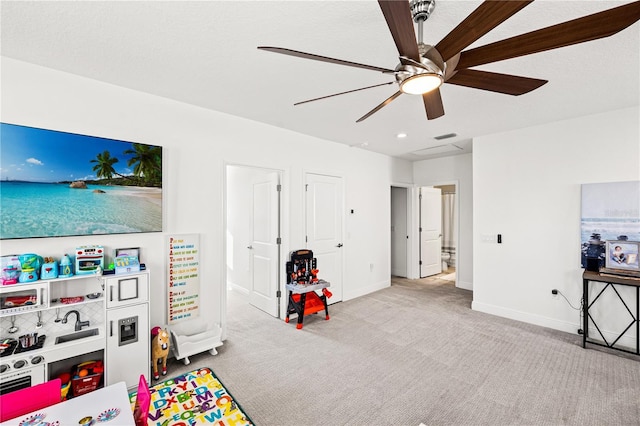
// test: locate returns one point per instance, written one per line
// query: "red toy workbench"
(303, 300)
(302, 283)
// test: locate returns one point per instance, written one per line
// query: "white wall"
(447, 170)
(527, 187)
(197, 143)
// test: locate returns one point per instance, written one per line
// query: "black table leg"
(303, 299)
(585, 312)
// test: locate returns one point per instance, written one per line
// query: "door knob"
(339, 245)
(250, 247)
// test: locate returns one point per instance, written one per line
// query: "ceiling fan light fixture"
(421, 83)
(419, 78)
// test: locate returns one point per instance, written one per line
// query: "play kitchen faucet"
(79, 324)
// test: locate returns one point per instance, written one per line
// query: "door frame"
(284, 238)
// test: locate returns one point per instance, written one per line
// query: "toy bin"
(86, 377)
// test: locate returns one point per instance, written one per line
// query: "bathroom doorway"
(449, 231)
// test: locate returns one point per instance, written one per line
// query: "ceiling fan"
(424, 68)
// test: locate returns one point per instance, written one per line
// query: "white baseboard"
(347, 295)
(465, 285)
(626, 342)
(500, 311)
(237, 288)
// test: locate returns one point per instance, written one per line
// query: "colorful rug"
(195, 398)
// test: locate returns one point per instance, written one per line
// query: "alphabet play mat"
(194, 398)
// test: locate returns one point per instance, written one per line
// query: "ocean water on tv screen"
(54, 209)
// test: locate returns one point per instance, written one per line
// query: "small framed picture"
(623, 255)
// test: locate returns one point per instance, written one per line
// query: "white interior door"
(264, 246)
(324, 228)
(399, 238)
(430, 231)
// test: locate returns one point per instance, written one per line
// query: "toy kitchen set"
(60, 315)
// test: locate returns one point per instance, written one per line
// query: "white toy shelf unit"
(192, 337)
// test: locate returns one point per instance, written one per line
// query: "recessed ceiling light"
(401, 135)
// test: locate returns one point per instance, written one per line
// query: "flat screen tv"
(55, 184)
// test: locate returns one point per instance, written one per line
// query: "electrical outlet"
(554, 294)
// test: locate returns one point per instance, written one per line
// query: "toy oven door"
(22, 298)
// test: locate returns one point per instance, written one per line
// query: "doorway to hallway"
(252, 236)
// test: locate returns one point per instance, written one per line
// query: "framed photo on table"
(623, 255)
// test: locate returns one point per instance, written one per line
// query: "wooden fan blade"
(379, 107)
(590, 27)
(398, 17)
(342, 93)
(433, 104)
(495, 82)
(486, 17)
(304, 55)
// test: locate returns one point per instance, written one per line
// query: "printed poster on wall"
(183, 269)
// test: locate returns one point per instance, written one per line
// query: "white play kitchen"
(81, 327)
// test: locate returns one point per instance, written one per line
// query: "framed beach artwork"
(610, 212)
(55, 184)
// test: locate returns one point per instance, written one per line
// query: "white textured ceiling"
(204, 53)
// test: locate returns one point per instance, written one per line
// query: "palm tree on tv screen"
(104, 169)
(147, 162)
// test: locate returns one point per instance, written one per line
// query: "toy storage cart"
(302, 284)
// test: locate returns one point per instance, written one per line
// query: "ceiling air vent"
(447, 136)
(440, 149)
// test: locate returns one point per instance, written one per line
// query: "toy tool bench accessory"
(302, 283)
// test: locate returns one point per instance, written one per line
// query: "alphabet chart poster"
(183, 270)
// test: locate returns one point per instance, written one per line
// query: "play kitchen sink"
(75, 336)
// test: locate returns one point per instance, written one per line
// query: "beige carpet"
(416, 353)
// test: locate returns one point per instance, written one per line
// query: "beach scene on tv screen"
(55, 184)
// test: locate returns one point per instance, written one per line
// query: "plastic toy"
(49, 269)
(30, 265)
(10, 269)
(302, 268)
(159, 350)
(66, 267)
